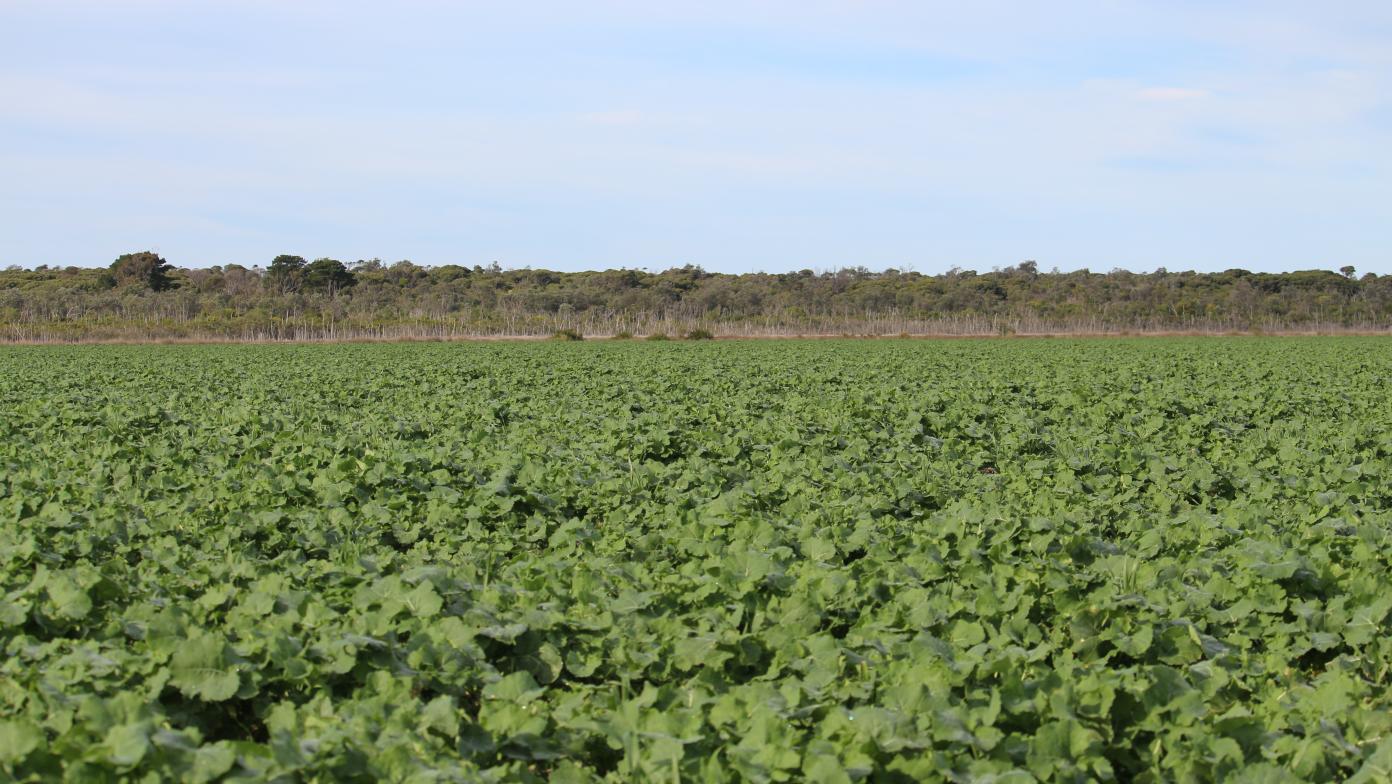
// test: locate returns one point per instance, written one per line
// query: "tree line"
(141, 296)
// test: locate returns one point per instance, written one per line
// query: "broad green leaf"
(68, 599)
(201, 668)
(18, 737)
(127, 744)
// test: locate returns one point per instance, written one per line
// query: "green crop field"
(896, 560)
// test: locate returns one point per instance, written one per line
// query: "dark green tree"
(145, 270)
(328, 276)
(286, 273)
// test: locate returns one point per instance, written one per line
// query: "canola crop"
(833, 561)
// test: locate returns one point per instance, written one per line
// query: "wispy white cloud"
(618, 117)
(1172, 93)
(780, 134)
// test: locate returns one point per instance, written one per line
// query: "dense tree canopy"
(141, 296)
(286, 273)
(145, 269)
(328, 276)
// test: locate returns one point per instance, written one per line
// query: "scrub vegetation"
(142, 297)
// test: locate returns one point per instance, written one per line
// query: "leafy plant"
(1128, 560)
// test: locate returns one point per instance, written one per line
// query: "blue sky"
(738, 136)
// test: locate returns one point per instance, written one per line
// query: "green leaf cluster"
(832, 561)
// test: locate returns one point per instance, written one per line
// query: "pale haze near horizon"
(740, 137)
